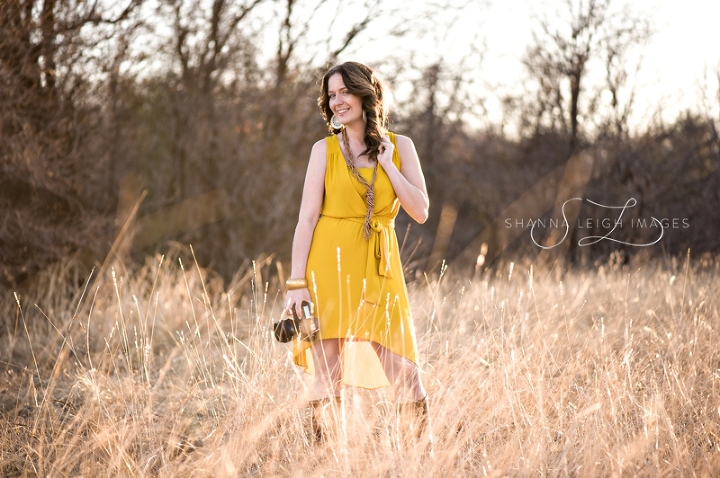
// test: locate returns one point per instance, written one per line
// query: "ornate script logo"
(590, 240)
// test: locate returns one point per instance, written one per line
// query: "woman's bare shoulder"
(403, 140)
(318, 153)
(404, 143)
(320, 145)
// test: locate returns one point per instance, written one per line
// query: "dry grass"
(160, 371)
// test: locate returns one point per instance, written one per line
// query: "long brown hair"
(360, 80)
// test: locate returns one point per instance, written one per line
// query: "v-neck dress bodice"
(357, 285)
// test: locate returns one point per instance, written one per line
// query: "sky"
(686, 42)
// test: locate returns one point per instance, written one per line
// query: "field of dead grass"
(163, 370)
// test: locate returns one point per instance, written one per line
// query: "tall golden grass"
(160, 370)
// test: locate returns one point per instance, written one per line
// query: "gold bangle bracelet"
(294, 284)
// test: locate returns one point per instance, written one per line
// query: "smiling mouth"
(342, 112)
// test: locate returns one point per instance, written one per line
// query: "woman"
(345, 255)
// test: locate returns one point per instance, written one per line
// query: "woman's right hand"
(294, 298)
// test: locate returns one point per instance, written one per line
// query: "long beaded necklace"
(369, 187)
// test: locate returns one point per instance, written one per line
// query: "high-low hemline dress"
(357, 285)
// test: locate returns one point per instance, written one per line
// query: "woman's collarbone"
(363, 161)
(364, 165)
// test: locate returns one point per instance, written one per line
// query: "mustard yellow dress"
(357, 285)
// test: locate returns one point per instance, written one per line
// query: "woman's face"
(346, 106)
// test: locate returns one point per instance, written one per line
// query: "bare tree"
(46, 54)
(710, 106)
(561, 56)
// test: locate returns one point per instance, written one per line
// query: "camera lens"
(285, 330)
(306, 328)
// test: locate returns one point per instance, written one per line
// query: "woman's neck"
(356, 132)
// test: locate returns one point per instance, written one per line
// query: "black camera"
(305, 329)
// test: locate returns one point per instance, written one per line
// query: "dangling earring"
(364, 116)
(335, 122)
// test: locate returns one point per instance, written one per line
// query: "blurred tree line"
(192, 120)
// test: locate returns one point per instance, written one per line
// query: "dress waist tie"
(378, 258)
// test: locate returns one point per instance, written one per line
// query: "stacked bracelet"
(293, 284)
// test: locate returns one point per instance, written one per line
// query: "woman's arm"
(310, 207)
(408, 181)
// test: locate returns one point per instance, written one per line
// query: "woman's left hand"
(387, 148)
